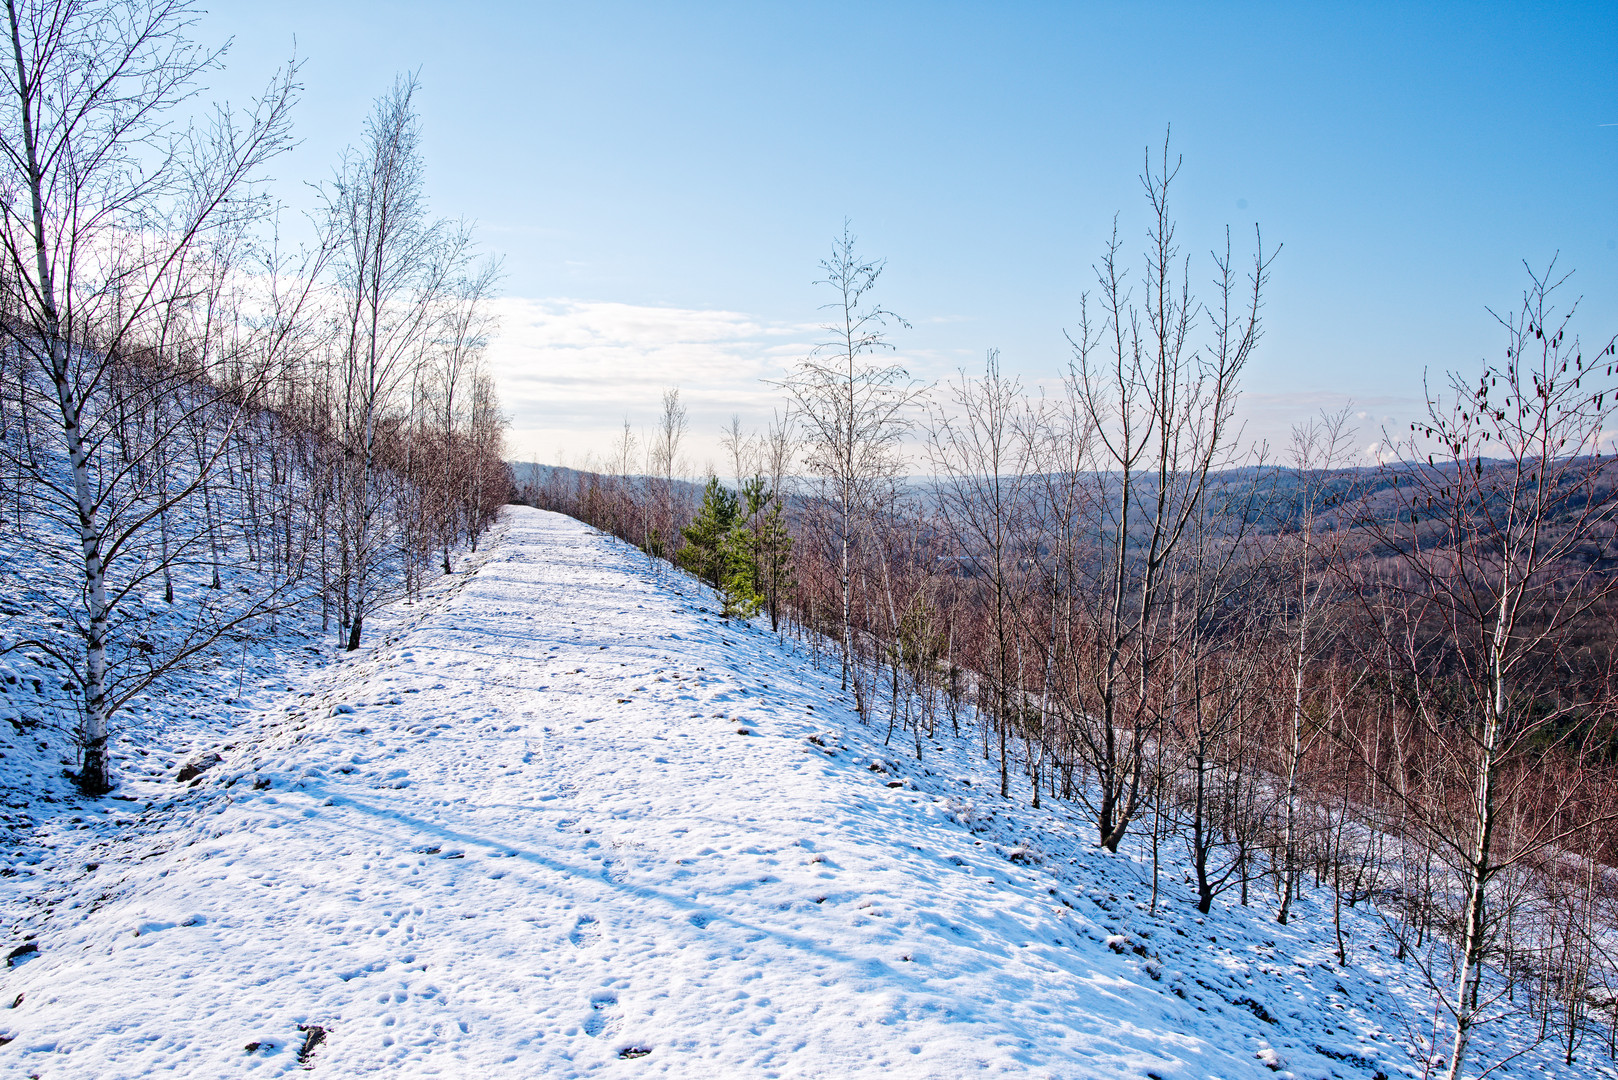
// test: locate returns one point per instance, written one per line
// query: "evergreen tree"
(772, 553)
(739, 545)
(740, 585)
(743, 585)
(706, 552)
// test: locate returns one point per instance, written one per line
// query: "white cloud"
(570, 371)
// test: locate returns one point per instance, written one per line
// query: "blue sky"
(696, 159)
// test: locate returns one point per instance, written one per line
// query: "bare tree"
(1161, 409)
(1319, 448)
(853, 409)
(1216, 643)
(741, 448)
(980, 454)
(108, 207)
(776, 450)
(1063, 498)
(1502, 494)
(664, 463)
(397, 266)
(459, 345)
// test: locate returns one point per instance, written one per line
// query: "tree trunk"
(94, 778)
(1480, 869)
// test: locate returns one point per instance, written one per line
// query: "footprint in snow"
(603, 1016)
(586, 932)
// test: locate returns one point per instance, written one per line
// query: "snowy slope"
(566, 821)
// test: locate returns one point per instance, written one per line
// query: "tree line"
(203, 434)
(1390, 684)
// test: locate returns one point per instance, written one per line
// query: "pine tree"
(743, 582)
(739, 545)
(740, 587)
(772, 554)
(705, 553)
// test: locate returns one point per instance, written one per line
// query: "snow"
(563, 820)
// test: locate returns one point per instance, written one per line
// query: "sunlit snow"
(564, 820)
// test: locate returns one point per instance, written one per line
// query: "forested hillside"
(207, 440)
(1395, 682)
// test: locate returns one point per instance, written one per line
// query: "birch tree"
(109, 202)
(852, 410)
(1319, 447)
(664, 464)
(396, 265)
(1501, 495)
(980, 453)
(457, 408)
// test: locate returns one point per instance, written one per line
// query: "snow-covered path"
(571, 822)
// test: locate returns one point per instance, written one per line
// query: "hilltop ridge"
(564, 819)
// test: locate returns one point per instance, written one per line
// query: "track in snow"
(526, 839)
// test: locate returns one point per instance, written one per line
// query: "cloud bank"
(571, 371)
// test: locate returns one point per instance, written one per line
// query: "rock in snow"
(191, 770)
(493, 846)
